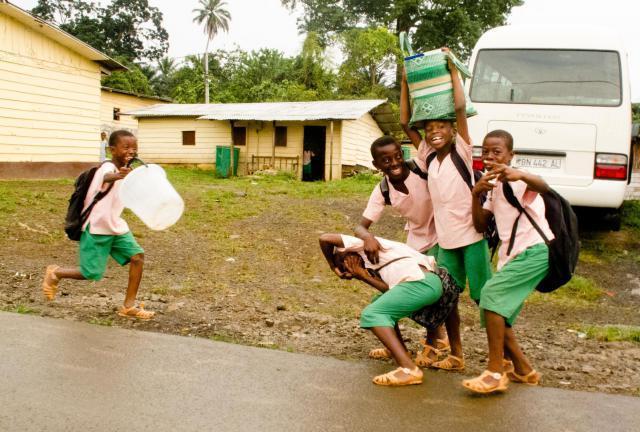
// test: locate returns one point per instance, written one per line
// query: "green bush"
(630, 214)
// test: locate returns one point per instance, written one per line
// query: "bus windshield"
(550, 77)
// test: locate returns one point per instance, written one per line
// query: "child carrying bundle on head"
(404, 188)
(105, 233)
(462, 250)
(523, 260)
(408, 283)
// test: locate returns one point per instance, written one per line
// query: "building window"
(281, 136)
(239, 136)
(116, 114)
(188, 137)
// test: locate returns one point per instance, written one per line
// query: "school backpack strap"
(376, 271)
(414, 168)
(77, 215)
(430, 157)
(461, 166)
(85, 214)
(511, 198)
(384, 190)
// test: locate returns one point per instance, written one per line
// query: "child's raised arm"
(506, 173)
(480, 215)
(405, 113)
(459, 103)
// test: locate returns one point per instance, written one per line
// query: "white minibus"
(563, 93)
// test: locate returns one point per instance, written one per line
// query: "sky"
(259, 24)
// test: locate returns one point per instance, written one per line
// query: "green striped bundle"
(429, 83)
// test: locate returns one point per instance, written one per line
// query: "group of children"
(446, 217)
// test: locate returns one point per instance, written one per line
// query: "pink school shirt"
(415, 207)
(105, 217)
(505, 215)
(451, 198)
(403, 270)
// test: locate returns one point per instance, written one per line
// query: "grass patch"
(612, 333)
(579, 288)
(159, 291)
(224, 338)
(25, 310)
(107, 322)
(578, 291)
(630, 214)
(21, 309)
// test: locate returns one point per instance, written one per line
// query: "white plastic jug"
(148, 193)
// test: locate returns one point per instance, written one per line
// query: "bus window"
(551, 77)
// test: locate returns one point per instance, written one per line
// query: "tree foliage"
(454, 23)
(130, 29)
(134, 80)
(369, 53)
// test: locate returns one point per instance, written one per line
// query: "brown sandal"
(443, 346)
(379, 354)
(479, 385)
(507, 366)
(423, 359)
(391, 379)
(136, 312)
(50, 282)
(532, 378)
(451, 363)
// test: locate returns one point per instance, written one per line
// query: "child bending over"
(406, 279)
(408, 195)
(462, 250)
(523, 260)
(105, 232)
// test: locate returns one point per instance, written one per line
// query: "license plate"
(537, 162)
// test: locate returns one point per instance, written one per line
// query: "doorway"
(314, 148)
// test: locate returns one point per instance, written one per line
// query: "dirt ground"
(243, 266)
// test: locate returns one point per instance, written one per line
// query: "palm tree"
(166, 69)
(215, 18)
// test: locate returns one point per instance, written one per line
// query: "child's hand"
(506, 173)
(485, 184)
(353, 264)
(371, 249)
(449, 62)
(341, 274)
(123, 171)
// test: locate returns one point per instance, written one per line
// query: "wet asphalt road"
(58, 375)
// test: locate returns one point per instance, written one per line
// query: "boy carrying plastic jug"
(104, 232)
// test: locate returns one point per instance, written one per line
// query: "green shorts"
(401, 301)
(306, 169)
(507, 290)
(472, 262)
(95, 250)
(432, 251)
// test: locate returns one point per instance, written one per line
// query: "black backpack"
(564, 248)
(75, 216)
(384, 184)
(491, 233)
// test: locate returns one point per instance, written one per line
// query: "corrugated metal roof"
(265, 111)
